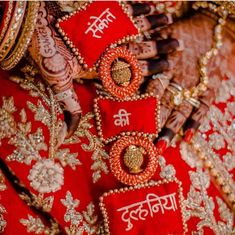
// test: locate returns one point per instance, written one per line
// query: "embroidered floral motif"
(79, 222)
(217, 141)
(27, 147)
(222, 123)
(46, 176)
(229, 161)
(167, 171)
(95, 146)
(199, 204)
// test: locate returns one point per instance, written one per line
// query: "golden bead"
(121, 73)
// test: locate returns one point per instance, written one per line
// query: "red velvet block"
(92, 30)
(116, 118)
(153, 209)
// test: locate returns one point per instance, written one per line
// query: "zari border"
(6, 20)
(24, 39)
(129, 133)
(76, 52)
(145, 185)
(13, 29)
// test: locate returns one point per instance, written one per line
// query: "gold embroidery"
(35, 225)
(45, 203)
(167, 170)
(94, 145)
(46, 174)
(7, 122)
(3, 222)
(199, 204)
(79, 222)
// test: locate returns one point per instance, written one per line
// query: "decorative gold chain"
(192, 94)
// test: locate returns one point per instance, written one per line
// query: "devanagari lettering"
(100, 23)
(121, 118)
(153, 204)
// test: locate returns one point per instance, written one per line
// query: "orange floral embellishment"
(133, 160)
(115, 65)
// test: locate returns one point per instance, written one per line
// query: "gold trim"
(140, 186)
(6, 20)
(24, 39)
(131, 133)
(13, 29)
(117, 160)
(229, 6)
(76, 52)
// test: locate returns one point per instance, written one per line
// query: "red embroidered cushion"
(100, 25)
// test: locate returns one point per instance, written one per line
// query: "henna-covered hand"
(152, 46)
(196, 34)
(59, 67)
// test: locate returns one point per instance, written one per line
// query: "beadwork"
(109, 83)
(116, 160)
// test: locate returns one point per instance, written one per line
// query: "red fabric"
(89, 47)
(79, 182)
(147, 217)
(139, 119)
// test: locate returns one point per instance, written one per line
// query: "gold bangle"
(13, 29)
(6, 21)
(24, 39)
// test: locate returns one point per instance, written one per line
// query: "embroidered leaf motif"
(91, 219)
(24, 126)
(167, 171)
(44, 203)
(198, 180)
(67, 158)
(27, 148)
(34, 225)
(7, 122)
(69, 202)
(81, 131)
(94, 145)
(40, 113)
(79, 222)
(8, 104)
